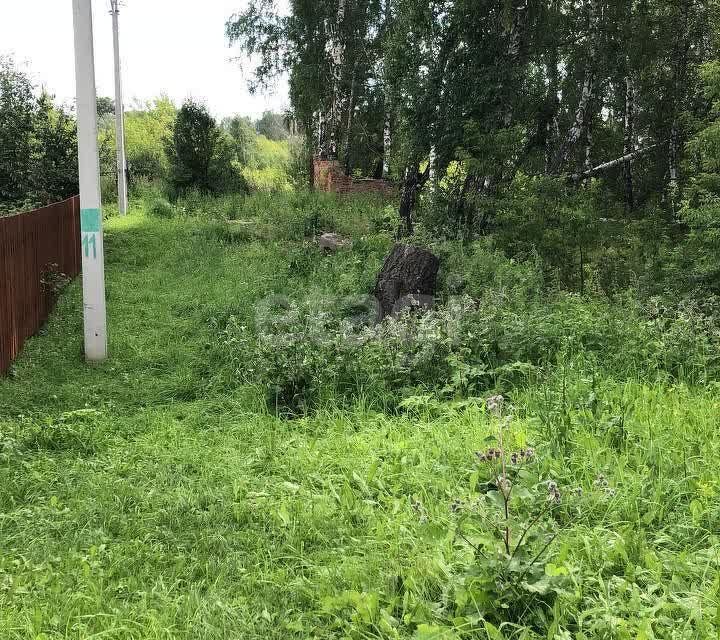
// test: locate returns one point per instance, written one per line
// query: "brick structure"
(329, 176)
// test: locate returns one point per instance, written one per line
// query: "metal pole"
(119, 116)
(93, 255)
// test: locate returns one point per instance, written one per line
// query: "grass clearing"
(147, 498)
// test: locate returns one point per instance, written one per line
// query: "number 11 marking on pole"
(93, 256)
(91, 232)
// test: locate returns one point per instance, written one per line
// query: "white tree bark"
(606, 166)
(580, 124)
(337, 56)
(588, 147)
(387, 130)
(320, 134)
(387, 141)
(629, 139)
(432, 176)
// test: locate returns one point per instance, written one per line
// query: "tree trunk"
(432, 168)
(387, 131)
(387, 142)
(629, 141)
(337, 52)
(552, 129)
(413, 183)
(579, 128)
(516, 38)
(588, 135)
(407, 271)
(672, 155)
(606, 166)
(579, 125)
(321, 136)
(350, 116)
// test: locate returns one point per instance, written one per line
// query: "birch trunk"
(588, 145)
(579, 128)
(432, 168)
(350, 117)
(387, 131)
(387, 142)
(337, 54)
(321, 149)
(629, 140)
(606, 166)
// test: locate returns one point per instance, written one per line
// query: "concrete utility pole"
(119, 115)
(93, 255)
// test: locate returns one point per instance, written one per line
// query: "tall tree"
(566, 88)
(200, 154)
(38, 142)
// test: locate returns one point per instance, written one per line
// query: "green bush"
(479, 267)
(310, 352)
(304, 354)
(202, 156)
(161, 208)
(38, 143)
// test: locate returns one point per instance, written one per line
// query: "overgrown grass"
(153, 497)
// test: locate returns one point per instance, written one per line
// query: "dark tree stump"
(407, 271)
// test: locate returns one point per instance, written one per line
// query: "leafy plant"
(510, 528)
(53, 280)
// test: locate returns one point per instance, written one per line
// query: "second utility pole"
(119, 116)
(91, 218)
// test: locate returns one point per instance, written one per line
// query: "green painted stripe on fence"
(90, 220)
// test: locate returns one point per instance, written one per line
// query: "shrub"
(161, 208)
(202, 156)
(478, 268)
(38, 143)
(302, 354)
(305, 353)
(299, 165)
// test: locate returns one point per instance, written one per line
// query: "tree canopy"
(38, 143)
(470, 94)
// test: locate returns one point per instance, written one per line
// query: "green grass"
(142, 499)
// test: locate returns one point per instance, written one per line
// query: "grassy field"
(148, 498)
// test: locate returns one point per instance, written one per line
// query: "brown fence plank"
(29, 243)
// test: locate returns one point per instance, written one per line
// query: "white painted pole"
(93, 255)
(119, 115)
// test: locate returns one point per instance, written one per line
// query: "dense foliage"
(199, 153)
(535, 457)
(178, 150)
(405, 498)
(38, 144)
(582, 131)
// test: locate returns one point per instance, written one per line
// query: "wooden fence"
(37, 249)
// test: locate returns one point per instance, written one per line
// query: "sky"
(176, 47)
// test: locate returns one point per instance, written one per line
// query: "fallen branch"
(613, 163)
